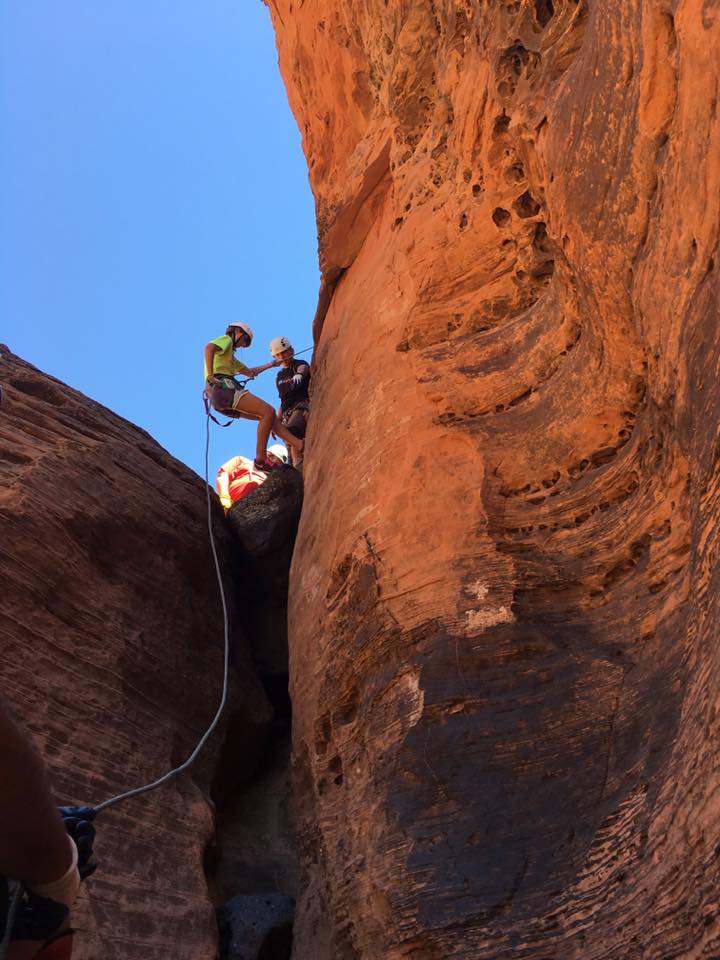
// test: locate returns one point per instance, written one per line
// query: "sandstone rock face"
(503, 607)
(263, 527)
(111, 637)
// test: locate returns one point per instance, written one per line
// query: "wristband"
(65, 889)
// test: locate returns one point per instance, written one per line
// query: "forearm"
(254, 371)
(223, 489)
(34, 845)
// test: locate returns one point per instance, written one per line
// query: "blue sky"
(152, 188)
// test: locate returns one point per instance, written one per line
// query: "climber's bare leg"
(253, 408)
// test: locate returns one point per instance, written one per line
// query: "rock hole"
(501, 124)
(526, 205)
(501, 217)
(544, 271)
(515, 173)
(540, 235)
(544, 12)
(476, 190)
(463, 221)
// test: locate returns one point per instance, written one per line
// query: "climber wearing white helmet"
(230, 397)
(293, 383)
(278, 451)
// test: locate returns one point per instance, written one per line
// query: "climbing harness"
(206, 400)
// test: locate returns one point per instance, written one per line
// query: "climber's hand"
(79, 825)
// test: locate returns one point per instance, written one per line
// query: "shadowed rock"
(111, 639)
(256, 927)
(263, 526)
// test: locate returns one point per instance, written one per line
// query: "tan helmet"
(241, 326)
(280, 345)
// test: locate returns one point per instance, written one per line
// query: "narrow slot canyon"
(251, 863)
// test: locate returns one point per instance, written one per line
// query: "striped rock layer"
(503, 612)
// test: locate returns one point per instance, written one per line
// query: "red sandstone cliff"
(111, 644)
(503, 607)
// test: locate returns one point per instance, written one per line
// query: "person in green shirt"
(228, 396)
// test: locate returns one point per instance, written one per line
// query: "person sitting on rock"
(293, 385)
(226, 395)
(239, 476)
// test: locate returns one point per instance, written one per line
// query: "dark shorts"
(296, 421)
(224, 393)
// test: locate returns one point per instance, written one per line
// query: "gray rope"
(138, 791)
(10, 919)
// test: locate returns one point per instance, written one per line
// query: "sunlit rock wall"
(503, 602)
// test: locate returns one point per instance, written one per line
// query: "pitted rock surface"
(111, 637)
(503, 609)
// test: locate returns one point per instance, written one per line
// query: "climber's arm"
(222, 484)
(34, 846)
(254, 371)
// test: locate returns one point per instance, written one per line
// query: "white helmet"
(241, 326)
(279, 451)
(280, 345)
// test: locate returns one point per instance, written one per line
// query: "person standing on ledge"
(227, 396)
(293, 385)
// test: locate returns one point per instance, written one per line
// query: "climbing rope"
(176, 771)
(13, 905)
(138, 791)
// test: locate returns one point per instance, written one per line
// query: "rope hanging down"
(138, 791)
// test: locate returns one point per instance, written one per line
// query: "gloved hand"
(78, 823)
(297, 379)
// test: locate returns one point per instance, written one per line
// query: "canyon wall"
(111, 636)
(503, 641)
